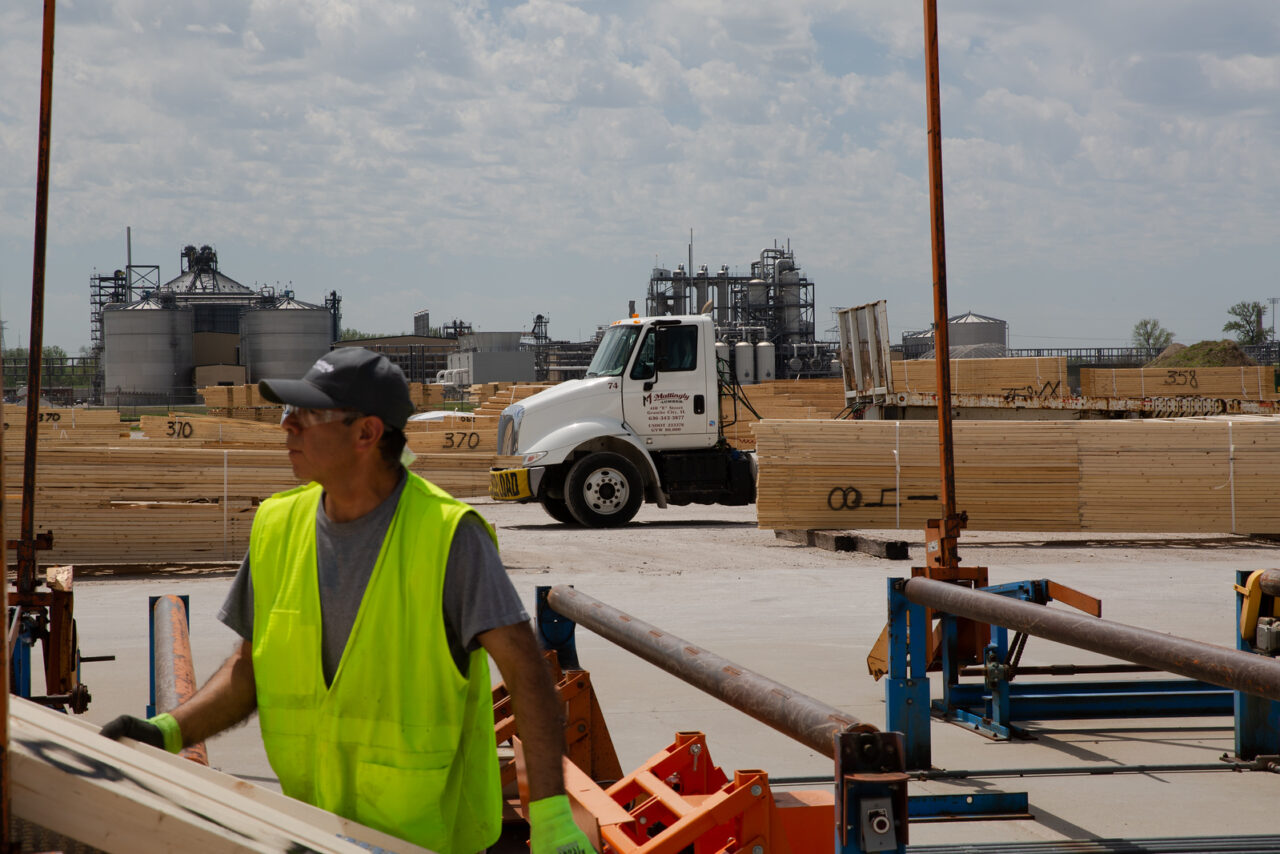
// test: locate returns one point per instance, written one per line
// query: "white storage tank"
(147, 354)
(744, 363)
(283, 339)
(764, 361)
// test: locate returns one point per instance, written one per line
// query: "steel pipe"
(1269, 582)
(809, 721)
(1217, 665)
(173, 670)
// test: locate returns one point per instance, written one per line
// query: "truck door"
(665, 394)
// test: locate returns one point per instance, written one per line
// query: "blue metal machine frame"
(990, 707)
(1257, 720)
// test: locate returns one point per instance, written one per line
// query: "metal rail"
(809, 721)
(1217, 665)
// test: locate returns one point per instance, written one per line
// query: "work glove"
(551, 828)
(162, 731)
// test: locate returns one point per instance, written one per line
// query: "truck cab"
(643, 424)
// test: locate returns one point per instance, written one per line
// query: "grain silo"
(147, 357)
(283, 337)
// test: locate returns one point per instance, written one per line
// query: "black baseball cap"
(348, 378)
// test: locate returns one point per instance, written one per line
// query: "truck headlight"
(530, 459)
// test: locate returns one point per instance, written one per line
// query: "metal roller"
(809, 721)
(1217, 665)
(175, 678)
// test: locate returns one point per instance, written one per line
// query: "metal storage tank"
(722, 355)
(970, 328)
(147, 356)
(744, 363)
(764, 361)
(283, 339)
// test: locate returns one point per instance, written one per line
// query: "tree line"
(1246, 325)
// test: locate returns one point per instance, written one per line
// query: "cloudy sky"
(489, 161)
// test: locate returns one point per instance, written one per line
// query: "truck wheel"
(603, 490)
(558, 510)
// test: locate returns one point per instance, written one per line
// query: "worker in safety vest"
(368, 606)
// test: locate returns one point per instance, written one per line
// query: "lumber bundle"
(1031, 377)
(787, 399)
(248, 396)
(1236, 383)
(122, 798)
(192, 497)
(71, 425)
(1207, 475)
(506, 395)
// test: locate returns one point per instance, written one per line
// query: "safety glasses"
(312, 417)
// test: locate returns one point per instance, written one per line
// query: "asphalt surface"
(807, 617)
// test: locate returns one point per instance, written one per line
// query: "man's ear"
(371, 430)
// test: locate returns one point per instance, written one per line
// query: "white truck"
(642, 425)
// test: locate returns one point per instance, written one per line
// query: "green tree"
(349, 334)
(1247, 325)
(1149, 333)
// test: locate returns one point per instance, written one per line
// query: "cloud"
(1092, 151)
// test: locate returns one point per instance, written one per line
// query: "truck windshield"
(614, 350)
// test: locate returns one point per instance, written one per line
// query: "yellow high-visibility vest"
(400, 741)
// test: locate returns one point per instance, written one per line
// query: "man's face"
(320, 442)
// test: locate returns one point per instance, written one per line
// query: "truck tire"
(603, 490)
(558, 510)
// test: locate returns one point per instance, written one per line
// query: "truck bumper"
(519, 484)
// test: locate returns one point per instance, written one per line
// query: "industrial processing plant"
(765, 319)
(158, 343)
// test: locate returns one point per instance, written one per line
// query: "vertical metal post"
(906, 689)
(946, 543)
(27, 539)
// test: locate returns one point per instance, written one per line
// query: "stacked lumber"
(1208, 475)
(1033, 377)
(787, 399)
(69, 783)
(187, 490)
(504, 397)
(204, 431)
(65, 425)
(244, 401)
(1236, 383)
(426, 396)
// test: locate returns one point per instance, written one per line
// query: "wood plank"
(123, 798)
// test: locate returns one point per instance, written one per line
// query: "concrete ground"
(807, 618)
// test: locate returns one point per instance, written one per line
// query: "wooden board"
(124, 798)
(1209, 475)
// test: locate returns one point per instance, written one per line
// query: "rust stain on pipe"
(175, 671)
(803, 718)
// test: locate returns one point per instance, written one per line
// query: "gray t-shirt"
(478, 595)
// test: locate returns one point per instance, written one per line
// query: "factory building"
(202, 328)
(489, 357)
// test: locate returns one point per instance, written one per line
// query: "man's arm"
(226, 699)
(539, 712)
